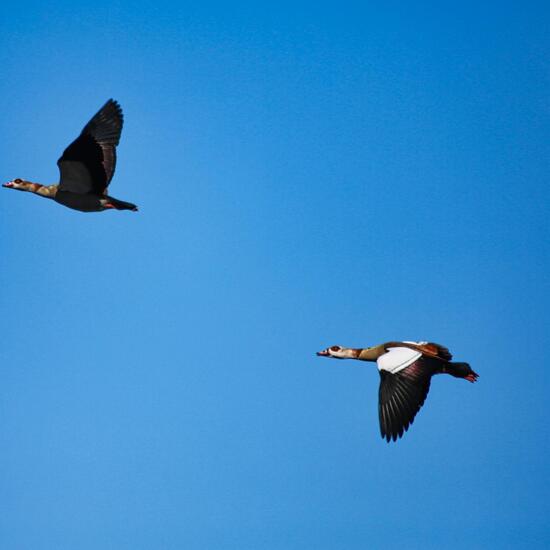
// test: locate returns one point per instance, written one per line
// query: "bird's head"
(19, 184)
(337, 352)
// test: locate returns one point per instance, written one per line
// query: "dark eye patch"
(335, 348)
(17, 180)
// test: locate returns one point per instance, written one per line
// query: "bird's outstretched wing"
(88, 163)
(401, 395)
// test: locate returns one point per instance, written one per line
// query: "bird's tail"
(461, 370)
(122, 205)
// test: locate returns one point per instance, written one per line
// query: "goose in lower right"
(406, 369)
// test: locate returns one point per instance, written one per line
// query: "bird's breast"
(84, 202)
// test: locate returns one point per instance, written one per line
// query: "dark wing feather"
(401, 395)
(437, 350)
(88, 163)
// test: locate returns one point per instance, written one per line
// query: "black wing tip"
(394, 436)
(113, 102)
(106, 125)
(116, 106)
(110, 108)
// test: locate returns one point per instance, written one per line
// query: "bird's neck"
(370, 354)
(349, 353)
(48, 191)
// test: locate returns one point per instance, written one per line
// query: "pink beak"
(323, 353)
(9, 184)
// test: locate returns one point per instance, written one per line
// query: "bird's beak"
(323, 353)
(9, 184)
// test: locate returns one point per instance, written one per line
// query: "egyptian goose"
(86, 166)
(406, 369)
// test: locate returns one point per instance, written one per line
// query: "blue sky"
(307, 175)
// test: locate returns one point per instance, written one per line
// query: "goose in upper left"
(86, 167)
(406, 369)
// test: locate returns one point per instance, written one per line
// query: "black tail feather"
(461, 370)
(122, 205)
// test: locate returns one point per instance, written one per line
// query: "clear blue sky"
(307, 175)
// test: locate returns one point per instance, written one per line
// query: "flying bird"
(86, 167)
(406, 369)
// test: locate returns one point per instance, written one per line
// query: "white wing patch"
(397, 359)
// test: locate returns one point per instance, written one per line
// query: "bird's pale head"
(19, 184)
(335, 352)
